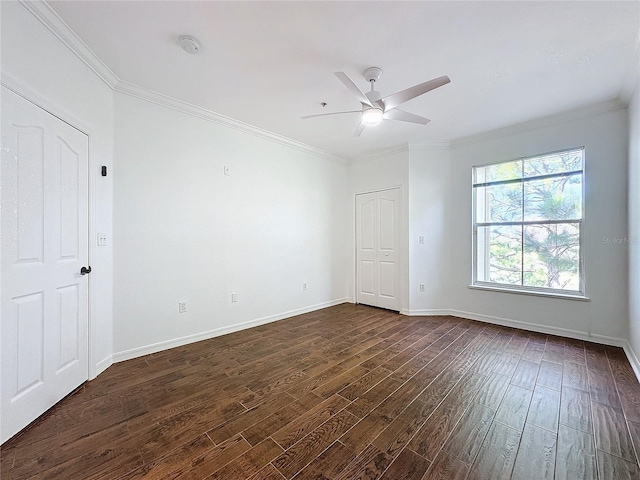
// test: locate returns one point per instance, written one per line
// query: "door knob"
(85, 270)
(386, 254)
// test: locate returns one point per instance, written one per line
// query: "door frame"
(401, 249)
(71, 120)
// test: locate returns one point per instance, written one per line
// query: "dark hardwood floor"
(343, 393)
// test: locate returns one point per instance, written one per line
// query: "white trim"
(575, 114)
(429, 145)
(379, 154)
(524, 291)
(58, 27)
(535, 327)
(50, 19)
(20, 89)
(136, 91)
(632, 357)
(425, 312)
(405, 147)
(196, 337)
(102, 365)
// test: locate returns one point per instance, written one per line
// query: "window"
(527, 223)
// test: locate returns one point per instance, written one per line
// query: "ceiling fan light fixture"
(372, 115)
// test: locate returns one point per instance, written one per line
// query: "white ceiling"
(268, 63)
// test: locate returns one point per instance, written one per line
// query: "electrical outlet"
(422, 287)
(227, 171)
(304, 285)
(421, 239)
(182, 307)
(234, 297)
(102, 239)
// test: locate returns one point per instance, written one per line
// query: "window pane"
(552, 256)
(553, 198)
(499, 171)
(499, 203)
(570, 161)
(499, 254)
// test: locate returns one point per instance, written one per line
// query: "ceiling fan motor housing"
(372, 74)
(373, 95)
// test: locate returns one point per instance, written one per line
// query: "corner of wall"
(633, 211)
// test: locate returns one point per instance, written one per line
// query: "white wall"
(186, 232)
(429, 213)
(634, 221)
(605, 139)
(379, 173)
(40, 67)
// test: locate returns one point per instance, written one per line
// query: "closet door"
(377, 249)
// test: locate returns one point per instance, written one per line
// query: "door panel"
(44, 218)
(27, 192)
(69, 200)
(387, 279)
(377, 243)
(69, 302)
(29, 335)
(387, 224)
(368, 224)
(367, 277)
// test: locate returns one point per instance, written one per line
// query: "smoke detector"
(189, 44)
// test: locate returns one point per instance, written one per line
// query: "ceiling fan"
(375, 108)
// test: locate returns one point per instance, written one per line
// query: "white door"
(377, 249)
(44, 221)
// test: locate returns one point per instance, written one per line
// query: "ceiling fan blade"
(359, 130)
(396, 99)
(403, 116)
(325, 114)
(353, 88)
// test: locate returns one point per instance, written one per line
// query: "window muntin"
(527, 221)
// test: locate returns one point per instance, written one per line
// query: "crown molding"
(633, 74)
(575, 114)
(429, 145)
(136, 91)
(52, 21)
(405, 147)
(56, 25)
(30, 95)
(379, 154)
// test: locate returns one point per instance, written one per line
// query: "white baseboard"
(196, 337)
(633, 358)
(535, 327)
(425, 312)
(505, 322)
(103, 365)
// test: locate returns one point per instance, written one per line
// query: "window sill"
(565, 296)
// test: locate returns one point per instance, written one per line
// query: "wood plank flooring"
(348, 392)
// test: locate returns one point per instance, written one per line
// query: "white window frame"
(524, 289)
